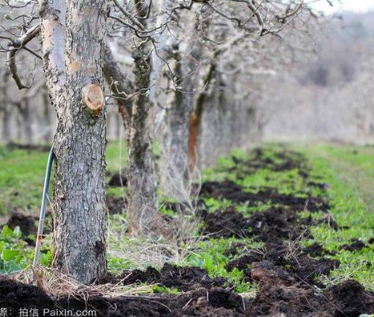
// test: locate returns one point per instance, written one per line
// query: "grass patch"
(22, 176)
(349, 209)
(349, 172)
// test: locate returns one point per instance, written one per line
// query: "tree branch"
(15, 46)
(120, 86)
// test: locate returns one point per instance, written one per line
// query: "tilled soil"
(118, 179)
(116, 205)
(182, 278)
(286, 275)
(26, 223)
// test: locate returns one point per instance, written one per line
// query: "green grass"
(348, 170)
(210, 256)
(21, 179)
(22, 175)
(338, 167)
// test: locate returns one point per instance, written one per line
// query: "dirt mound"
(316, 250)
(280, 293)
(27, 224)
(200, 303)
(118, 180)
(282, 160)
(275, 223)
(351, 299)
(172, 276)
(354, 245)
(116, 205)
(245, 261)
(291, 301)
(307, 269)
(15, 296)
(224, 224)
(231, 191)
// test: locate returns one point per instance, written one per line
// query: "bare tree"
(72, 58)
(225, 37)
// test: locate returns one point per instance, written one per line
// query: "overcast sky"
(345, 5)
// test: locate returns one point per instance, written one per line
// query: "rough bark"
(4, 109)
(24, 110)
(72, 62)
(6, 124)
(47, 116)
(159, 52)
(214, 126)
(174, 165)
(142, 210)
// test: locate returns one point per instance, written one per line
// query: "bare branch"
(16, 45)
(119, 84)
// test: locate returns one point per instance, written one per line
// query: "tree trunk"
(6, 124)
(160, 53)
(24, 108)
(174, 165)
(75, 91)
(47, 116)
(4, 108)
(196, 120)
(142, 213)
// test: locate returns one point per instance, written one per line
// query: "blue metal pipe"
(39, 235)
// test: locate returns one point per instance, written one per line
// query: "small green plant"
(215, 204)
(117, 265)
(14, 253)
(210, 256)
(164, 290)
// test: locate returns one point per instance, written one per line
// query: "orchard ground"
(283, 229)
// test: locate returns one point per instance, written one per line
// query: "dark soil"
(281, 161)
(278, 294)
(115, 205)
(286, 275)
(174, 277)
(118, 180)
(225, 224)
(316, 250)
(182, 278)
(351, 299)
(201, 302)
(27, 224)
(355, 245)
(231, 191)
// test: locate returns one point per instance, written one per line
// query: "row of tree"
(165, 65)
